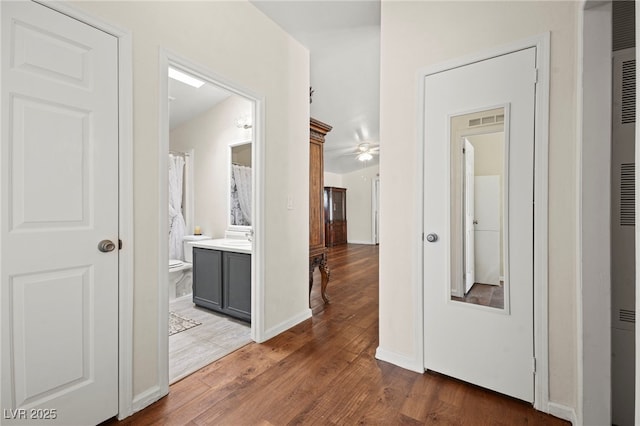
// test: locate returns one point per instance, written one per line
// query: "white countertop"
(225, 244)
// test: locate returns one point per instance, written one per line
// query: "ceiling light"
(185, 78)
(363, 147)
(365, 156)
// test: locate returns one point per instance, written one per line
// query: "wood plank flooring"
(323, 371)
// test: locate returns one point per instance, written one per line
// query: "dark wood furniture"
(222, 282)
(317, 249)
(335, 216)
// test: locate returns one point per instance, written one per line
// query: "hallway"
(323, 371)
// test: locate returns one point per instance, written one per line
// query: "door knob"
(106, 246)
(432, 238)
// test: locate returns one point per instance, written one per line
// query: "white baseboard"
(146, 398)
(370, 243)
(563, 412)
(400, 360)
(285, 325)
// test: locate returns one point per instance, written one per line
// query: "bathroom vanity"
(222, 277)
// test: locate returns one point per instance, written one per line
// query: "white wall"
(235, 40)
(359, 190)
(595, 404)
(415, 35)
(332, 179)
(209, 135)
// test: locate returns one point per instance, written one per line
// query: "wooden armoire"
(335, 216)
(317, 249)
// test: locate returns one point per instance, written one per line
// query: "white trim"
(147, 398)
(541, 225)
(563, 412)
(594, 347)
(285, 325)
(370, 243)
(540, 239)
(125, 197)
(259, 230)
(400, 360)
(166, 58)
(163, 243)
(375, 210)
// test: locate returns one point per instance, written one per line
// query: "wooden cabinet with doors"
(317, 249)
(335, 216)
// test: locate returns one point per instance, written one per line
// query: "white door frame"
(125, 197)
(375, 210)
(258, 334)
(593, 198)
(540, 238)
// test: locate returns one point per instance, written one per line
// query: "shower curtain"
(241, 195)
(176, 220)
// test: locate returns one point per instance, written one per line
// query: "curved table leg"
(326, 275)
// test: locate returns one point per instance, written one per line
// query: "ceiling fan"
(365, 151)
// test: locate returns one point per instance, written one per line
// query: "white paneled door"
(469, 216)
(59, 177)
(490, 347)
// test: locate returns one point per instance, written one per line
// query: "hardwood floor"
(323, 371)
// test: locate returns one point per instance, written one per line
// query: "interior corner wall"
(209, 135)
(359, 198)
(415, 35)
(238, 42)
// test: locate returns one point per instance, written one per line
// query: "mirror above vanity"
(240, 186)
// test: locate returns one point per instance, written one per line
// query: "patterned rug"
(179, 323)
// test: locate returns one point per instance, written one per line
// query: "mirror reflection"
(240, 185)
(477, 206)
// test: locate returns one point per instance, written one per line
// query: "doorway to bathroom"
(209, 284)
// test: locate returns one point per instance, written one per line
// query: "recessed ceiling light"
(185, 78)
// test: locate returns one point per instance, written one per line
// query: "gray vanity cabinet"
(207, 279)
(236, 284)
(222, 282)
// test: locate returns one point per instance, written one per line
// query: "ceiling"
(187, 102)
(343, 38)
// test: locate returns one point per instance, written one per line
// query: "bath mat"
(179, 323)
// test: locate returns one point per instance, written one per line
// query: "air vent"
(486, 120)
(624, 24)
(628, 194)
(628, 113)
(627, 315)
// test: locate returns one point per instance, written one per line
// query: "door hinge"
(535, 75)
(119, 244)
(534, 365)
